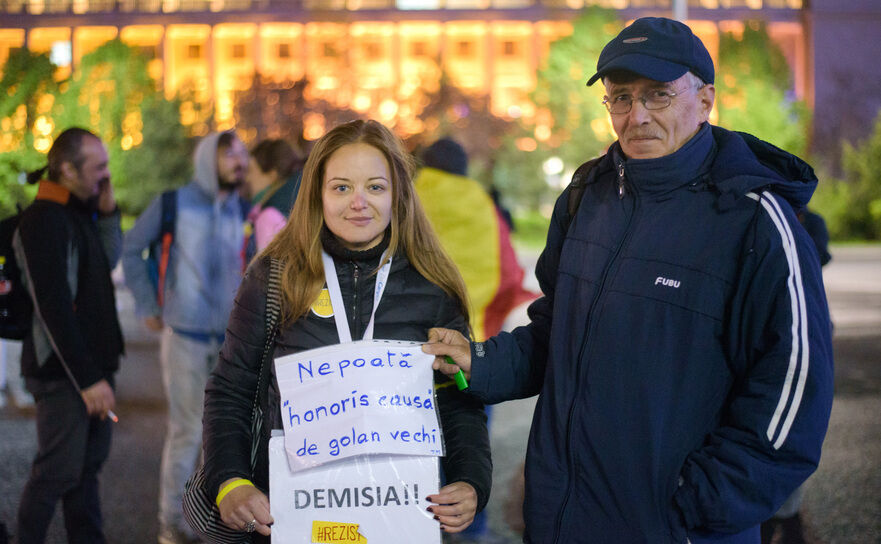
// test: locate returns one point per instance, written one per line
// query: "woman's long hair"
(298, 244)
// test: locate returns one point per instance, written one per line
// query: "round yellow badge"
(322, 306)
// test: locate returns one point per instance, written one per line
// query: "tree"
(464, 117)
(754, 90)
(111, 94)
(271, 109)
(26, 78)
(570, 122)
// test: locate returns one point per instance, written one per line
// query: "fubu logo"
(667, 282)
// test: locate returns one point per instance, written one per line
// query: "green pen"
(459, 377)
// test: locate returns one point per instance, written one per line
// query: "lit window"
(284, 50)
(509, 48)
(238, 51)
(464, 48)
(418, 4)
(194, 51)
(418, 49)
(372, 50)
(328, 49)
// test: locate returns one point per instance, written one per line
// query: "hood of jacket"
(205, 164)
(744, 163)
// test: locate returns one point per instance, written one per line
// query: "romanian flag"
(476, 237)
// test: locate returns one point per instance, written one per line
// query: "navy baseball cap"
(656, 48)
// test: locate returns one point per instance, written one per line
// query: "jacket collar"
(53, 192)
(335, 249)
(671, 171)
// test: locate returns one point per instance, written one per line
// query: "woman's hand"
(443, 342)
(456, 506)
(243, 505)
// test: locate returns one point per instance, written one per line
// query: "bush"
(852, 205)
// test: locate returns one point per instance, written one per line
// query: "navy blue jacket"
(682, 349)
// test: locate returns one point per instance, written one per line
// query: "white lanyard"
(336, 297)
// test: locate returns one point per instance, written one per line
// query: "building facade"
(373, 56)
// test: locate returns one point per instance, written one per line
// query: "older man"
(682, 349)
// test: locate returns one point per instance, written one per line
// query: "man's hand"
(106, 200)
(99, 399)
(456, 506)
(244, 504)
(154, 323)
(449, 342)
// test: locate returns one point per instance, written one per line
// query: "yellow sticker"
(332, 532)
(322, 306)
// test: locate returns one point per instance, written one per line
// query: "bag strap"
(577, 186)
(271, 318)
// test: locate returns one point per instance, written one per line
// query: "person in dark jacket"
(682, 349)
(67, 242)
(356, 209)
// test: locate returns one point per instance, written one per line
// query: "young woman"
(357, 204)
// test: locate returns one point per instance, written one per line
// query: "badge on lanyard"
(322, 306)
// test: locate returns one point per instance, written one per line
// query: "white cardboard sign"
(365, 397)
(366, 498)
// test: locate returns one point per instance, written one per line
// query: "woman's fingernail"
(436, 518)
(429, 509)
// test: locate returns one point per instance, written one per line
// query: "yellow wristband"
(229, 487)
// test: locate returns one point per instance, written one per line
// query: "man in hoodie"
(204, 271)
(682, 348)
(66, 243)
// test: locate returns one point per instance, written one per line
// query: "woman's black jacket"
(409, 307)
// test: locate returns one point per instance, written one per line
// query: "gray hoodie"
(205, 265)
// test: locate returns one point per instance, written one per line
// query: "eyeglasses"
(656, 99)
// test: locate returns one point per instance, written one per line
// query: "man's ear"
(707, 96)
(68, 171)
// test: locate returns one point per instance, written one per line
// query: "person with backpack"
(682, 350)
(66, 244)
(200, 271)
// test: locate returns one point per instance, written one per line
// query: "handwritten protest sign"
(364, 499)
(366, 397)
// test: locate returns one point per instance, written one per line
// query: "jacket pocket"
(687, 288)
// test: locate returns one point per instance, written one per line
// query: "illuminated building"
(375, 55)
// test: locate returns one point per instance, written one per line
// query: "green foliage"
(26, 77)
(580, 128)
(753, 81)
(161, 162)
(578, 122)
(852, 205)
(531, 230)
(111, 94)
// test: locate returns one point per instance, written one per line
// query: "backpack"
(160, 250)
(577, 186)
(16, 309)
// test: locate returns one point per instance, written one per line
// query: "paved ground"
(842, 501)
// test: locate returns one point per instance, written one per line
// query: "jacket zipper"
(355, 316)
(583, 347)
